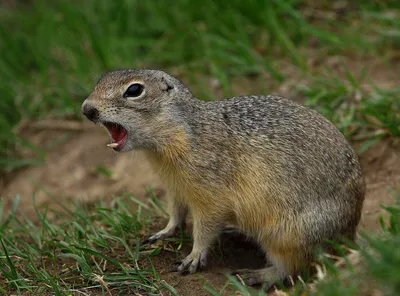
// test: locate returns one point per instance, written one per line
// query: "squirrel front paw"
(193, 262)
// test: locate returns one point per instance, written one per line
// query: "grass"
(361, 111)
(76, 250)
(95, 250)
(53, 51)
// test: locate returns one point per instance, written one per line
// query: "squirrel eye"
(134, 90)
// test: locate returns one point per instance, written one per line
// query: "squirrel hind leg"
(285, 264)
(266, 277)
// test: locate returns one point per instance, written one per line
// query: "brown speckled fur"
(278, 171)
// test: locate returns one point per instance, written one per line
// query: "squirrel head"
(138, 108)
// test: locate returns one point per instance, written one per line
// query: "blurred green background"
(339, 57)
(52, 52)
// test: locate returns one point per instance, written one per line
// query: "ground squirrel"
(278, 171)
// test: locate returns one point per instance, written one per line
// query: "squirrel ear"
(166, 85)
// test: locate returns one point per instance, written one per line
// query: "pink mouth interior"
(118, 133)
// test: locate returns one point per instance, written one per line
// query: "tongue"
(117, 133)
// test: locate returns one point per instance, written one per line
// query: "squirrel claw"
(246, 275)
(145, 242)
(193, 263)
(155, 237)
(265, 276)
(184, 272)
(163, 234)
(175, 269)
(148, 241)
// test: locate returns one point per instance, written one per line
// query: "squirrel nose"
(90, 112)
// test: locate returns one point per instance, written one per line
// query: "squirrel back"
(277, 170)
(267, 152)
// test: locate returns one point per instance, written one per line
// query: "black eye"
(134, 90)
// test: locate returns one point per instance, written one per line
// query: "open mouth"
(118, 135)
